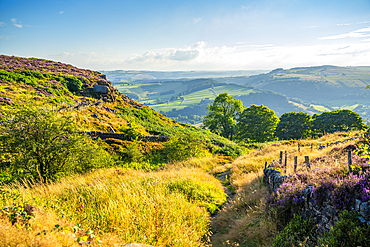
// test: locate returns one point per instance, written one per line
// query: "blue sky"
(188, 35)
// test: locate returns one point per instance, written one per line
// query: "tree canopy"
(294, 125)
(334, 121)
(222, 114)
(257, 123)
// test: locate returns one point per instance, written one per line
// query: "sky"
(170, 35)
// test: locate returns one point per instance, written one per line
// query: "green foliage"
(132, 131)
(257, 124)
(348, 231)
(40, 145)
(298, 232)
(335, 121)
(229, 150)
(184, 147)
(294, 125)
(132, 153)
(74, 84)
(221, 117)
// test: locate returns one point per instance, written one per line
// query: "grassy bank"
(166, 208)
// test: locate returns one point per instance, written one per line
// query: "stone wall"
(324, 216)
(120, 136)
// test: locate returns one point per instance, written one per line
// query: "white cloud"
(195, 20)
(344, 24)
(61, 12)
(360, 33)
(16, 23)
(4, 38)
(201, 56)
(2, 24)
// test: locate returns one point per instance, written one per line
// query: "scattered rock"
(101, 89)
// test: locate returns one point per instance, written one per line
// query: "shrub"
(184, 147)
(38, 144)
(348, 231)
(229, 150)
(288, 200)
(74, 84)
(298, 232)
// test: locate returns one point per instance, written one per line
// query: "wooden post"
(281, 158)
(299, 147)
(311, 146)
(307, 161)
(295, 163)
(285, 161)
(349, 161)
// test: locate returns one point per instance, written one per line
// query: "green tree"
(293, 125)
(257, 123)
(334, 121)
(38, 144)
(222, 114)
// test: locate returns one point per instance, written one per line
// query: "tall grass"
(243, 222)
(167, 208)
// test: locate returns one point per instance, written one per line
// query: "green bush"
(38, 144)
(184, 147)
(348, 231)
(298, 232)
(74, 84)
(229, 150)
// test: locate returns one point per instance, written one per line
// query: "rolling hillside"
(312, 90)
(87, 95)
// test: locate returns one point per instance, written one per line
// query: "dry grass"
(166, 208)
(243, 222)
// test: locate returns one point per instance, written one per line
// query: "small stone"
(324, 220)
(357, 206)
(365, 209)
(362, 219)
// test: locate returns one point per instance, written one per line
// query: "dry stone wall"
(324, 215)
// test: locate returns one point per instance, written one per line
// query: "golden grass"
(166, 208)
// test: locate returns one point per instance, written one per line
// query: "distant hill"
(143, 76)
(335, 87)
(308, 89)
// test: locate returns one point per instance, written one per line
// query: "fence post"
(285, 161)
(307, 161)
(311, 146)
(349, 161)
(299, 147)
(295, 163)
(281, 158)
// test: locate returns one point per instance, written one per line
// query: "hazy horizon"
(188, 35)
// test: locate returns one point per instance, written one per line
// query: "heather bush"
(288, 200)
(348, 231)
(320, 193)
(298, 232)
